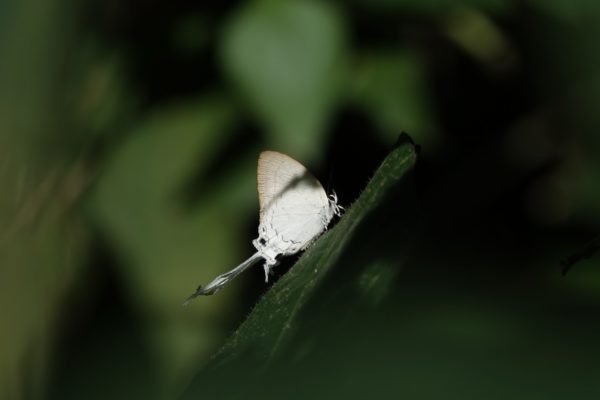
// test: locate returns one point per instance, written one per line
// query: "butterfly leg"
(267, 269)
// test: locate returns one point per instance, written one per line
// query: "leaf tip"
(405, 138)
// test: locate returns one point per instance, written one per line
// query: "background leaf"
(184, 253)
(43, 244)
(288, 57)
(390, 86)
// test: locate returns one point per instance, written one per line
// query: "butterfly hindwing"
(293, 203)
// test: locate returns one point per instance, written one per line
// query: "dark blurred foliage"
(129, 134)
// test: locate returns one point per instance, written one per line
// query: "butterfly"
(294, 211)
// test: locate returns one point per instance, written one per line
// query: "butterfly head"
(333, 204)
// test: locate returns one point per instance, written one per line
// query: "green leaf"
(433, 7)
(393, 89)
(135, 200)
(336, 268)
(163, 246)
(569, 10)
(287, 59)
(42, 241)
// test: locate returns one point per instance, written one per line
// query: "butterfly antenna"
(330, 177)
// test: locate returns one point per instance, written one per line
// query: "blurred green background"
(129, 134)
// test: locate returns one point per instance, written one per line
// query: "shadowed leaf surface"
(342, 324)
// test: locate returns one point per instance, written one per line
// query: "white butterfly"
(294, 211)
